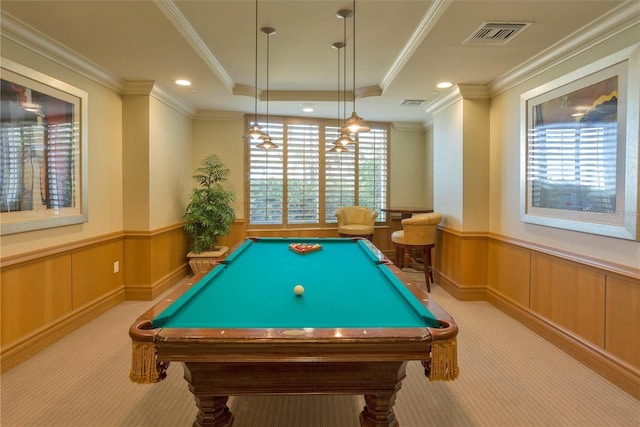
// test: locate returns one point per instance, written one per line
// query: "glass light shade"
(356, 124)
(254, 132)
(267, 144)
(344, 139)
(339, 149)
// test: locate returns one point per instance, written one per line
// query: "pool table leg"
(212, 407)
(212, 411)
(378, 411)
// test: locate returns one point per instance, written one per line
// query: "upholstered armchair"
(356, 221)
(418, 232)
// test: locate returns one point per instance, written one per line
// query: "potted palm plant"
(209, 214)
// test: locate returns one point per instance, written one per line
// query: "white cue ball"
(298, 290)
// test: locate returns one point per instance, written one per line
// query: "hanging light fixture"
(340, 144)
(254, 131)
(355, 123)
(344, 139)
(268, 143)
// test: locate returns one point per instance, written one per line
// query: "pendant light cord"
(354, 55)
(255, 82)
(344, 73)
(267, 96)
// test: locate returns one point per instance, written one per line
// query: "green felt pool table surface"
(241, 330)
(346, 285)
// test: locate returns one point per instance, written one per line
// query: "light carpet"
(509, 377)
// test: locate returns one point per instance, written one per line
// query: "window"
(572, 163)
(42, 151)
(581, 161)
(301, 183)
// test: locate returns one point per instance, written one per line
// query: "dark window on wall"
(37, 151)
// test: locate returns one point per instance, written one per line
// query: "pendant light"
(355, 123)
(268, 143)
(344, 139)
(340, 144)
(254, 131)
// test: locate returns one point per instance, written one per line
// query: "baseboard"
(461, 293)
(603, 363)
(148, 293)
(21, 350)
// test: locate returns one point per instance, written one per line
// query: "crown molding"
(308, 95)
(429, 20)
(139, 87)
(159, 92)
(455, 94)
(368, 91)
(609, 25)
(171, 11)
(219, 115)
(244, 90)
(300, 95)
(473, 91)
(17, 31)
(408, 126)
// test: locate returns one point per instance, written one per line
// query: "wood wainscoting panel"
(509, 271)
(570, 295)
(168, 256)
(137, 258)
(237, 234)
(460, 263)
(155, 260)
(448, 253)
(93, 273)
(622, 334)
(473, 267)
(34, 295)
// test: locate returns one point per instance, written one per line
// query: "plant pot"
(204, 261)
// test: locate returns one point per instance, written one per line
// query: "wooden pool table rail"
(223, 362)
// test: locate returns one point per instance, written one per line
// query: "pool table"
(240, 329)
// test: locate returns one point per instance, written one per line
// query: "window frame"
(30, 220)
(323, 215)
(622, 222)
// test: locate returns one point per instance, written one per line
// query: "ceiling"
(403, 48)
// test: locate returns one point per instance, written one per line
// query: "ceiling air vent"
(496, 32)
(411, 102)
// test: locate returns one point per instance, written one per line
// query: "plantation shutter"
(302, 183)
(340, 179)
(303, 174)
(574, 167)
(266, 184)
(372, 170)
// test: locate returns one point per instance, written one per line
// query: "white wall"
(409, 168)
(104, 159)
(475, 165)
(222, 136)
(505, 174)
(447, 165)
(169, 164)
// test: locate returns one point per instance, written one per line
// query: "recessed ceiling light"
(444, 85)
(307, 108)
(181, 82)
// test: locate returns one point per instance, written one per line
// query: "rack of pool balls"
(304, 248)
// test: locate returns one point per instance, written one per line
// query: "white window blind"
(303, 174)
(573, 167)
(315, 181)
(372, 170)
(340, 176)
(37, 166)
(266, 184)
